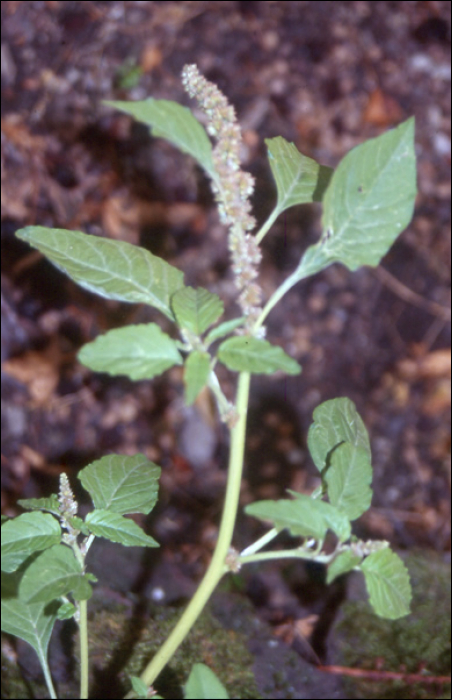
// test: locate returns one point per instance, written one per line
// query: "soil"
(325, 75)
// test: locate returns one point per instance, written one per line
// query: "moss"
(223, 650)
(13, 683)
(417, 643)
(121, 645)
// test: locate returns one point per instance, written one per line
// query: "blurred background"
(326, 76)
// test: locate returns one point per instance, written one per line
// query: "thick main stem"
(83, 627)
(217, 566)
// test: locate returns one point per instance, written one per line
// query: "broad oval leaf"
(49, 503)
(171, 121)
(348, 479)
(303, 517)
(335, 520)
(140, 352)
(344, 562)
(28, 533)
(116, 528)
(54, 573)
(335, 421)
(196, 374)
(370, 198)
(248, 354)
(66, 611)
(31, 622)
(122, 484)
(299, 179)
(203, 684)
(196, 309)
(112, 269)
(360, 223)
(388, 584)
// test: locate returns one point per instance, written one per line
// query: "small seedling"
(367, 201)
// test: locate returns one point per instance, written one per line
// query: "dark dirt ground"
(325, 75)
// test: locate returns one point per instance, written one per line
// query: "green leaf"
(335, 421)
(196, 374)
(28, 533)
(121, 483)
(223, 329)
(370, 199)
(348, 479)
(116, 528)
(388, 584)
(313, 260)
(335, 520)
(66, 611)
(303, 517)
(51, 504)
(113, 269)
(248, 354)
(344, 562)
(299, 179)
(368, 202)
(340, 447)
(171, 121)
(31, 622)
(203, 684)
(140, 352)
(196, 309)
(54, 573)
(141, 689)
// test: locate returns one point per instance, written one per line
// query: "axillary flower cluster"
(232, 190)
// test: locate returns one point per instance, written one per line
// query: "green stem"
(277, 296)
(48, 677)
(285, 554)
(267, 225)
(83, 627)
(261, 542)
(222, 403)
(217, 566)
(314, 259)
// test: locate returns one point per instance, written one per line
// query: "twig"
(384, 675)
(411, 297)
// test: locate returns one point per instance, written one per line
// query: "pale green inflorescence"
(68, 504)
(68, 508)
(232, 190)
